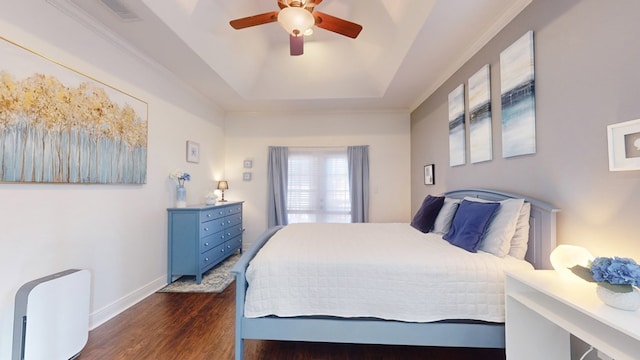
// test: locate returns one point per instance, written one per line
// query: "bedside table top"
(580, 295)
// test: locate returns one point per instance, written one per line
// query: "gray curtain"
(359, 182)
(277, 183)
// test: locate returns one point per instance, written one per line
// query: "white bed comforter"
(388, 271)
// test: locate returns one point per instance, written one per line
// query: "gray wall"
(587, 63)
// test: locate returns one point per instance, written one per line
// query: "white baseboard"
(103, 315)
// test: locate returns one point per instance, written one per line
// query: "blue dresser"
(201, 237)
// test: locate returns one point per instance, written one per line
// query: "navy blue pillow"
(470, 223)
(426, 215)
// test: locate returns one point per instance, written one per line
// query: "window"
(318, 185)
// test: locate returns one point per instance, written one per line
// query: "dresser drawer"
(210, 258)
(233, 230)
(213, 226)
(212, 214)
(233, 244)
(211, 241)
(233, 219)
(234, 209)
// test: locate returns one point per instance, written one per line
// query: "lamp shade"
(223, 185)
(565, 257)
(295, 20)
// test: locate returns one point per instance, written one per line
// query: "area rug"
(214, 280)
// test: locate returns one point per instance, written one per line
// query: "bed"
(343, 321)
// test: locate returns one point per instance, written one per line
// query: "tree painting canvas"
(457, 135)
(480, 148)
(518, 98)
(60, 126)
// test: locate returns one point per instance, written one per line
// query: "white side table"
(543, 308)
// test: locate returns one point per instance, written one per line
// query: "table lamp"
(222, 186)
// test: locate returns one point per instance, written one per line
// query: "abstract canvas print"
(60, 126)
(480, 148)
(517, 86)
(456, 127)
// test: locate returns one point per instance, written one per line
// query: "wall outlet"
(604, 356)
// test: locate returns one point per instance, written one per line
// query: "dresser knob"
(228, 234)
(206, 244)
(208, 215)
(222, 250)
(206, 259)
(206, 229)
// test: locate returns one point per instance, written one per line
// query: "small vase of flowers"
(181, 192)
(618, 280)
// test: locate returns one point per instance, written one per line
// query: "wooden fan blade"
(296, 45)
(254, 20)
(337, 25)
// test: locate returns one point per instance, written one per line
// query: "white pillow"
(520, 240)
(497, 239)
(445, 216)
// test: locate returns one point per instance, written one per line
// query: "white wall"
(117, 232)
(248, 137)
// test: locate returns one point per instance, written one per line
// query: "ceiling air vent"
(118, 8)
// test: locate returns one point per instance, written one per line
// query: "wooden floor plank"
(201, 326)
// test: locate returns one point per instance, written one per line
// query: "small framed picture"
(248, 164)
(429, 175)
(246, 176)
(624, 145)
(193, 152)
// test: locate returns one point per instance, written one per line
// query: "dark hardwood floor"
(201, 326)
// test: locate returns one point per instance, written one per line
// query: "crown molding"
(73, 11)
(511, 13)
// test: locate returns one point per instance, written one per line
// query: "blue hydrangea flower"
(617, 271)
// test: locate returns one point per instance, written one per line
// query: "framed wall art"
(624, 145)
(480, 148)
(429, 175)
(60, 126)
(517, 93)
(457, 135)
(193, 152)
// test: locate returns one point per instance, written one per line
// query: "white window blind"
(318, 186)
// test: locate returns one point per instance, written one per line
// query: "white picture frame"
(248, 164)
(624, 145)
(193, 152)
(246, 176)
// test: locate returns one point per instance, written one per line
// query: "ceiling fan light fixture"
(295, 20)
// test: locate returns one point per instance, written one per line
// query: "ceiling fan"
(298, 17)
